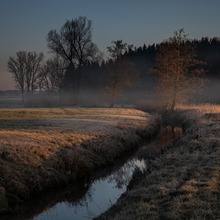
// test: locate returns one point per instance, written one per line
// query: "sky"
(24, 24)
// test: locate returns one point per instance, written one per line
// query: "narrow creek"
(83, 201)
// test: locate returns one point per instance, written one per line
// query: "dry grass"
(184, 182)
(202, 108)
(43, 148)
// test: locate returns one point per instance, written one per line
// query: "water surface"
(86, 201)
(99, 197)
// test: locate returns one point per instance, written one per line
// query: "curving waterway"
(81, 201)
(99, 197)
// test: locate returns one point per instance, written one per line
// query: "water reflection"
(80, 201)
(100, 196)
(123, 176)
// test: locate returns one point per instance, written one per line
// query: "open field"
(184, 182)
(10, 102)
(202, 108)
(43, 148)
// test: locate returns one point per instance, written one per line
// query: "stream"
(81, 201)
(99, 197)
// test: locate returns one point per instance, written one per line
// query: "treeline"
(207, 50)
(77, 74)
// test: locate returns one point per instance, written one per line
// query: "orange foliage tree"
(178, 69)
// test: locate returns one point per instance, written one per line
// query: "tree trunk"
(112, 100)
(22, 97)
(59, 97)
(78, 82)
(173, 104)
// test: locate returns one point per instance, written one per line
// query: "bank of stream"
(86, 201)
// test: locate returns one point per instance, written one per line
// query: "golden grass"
(184, 182)
(45, 113)
(42, 148)
(202, 108)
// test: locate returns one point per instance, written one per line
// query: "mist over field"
(136, 97)
(211, 92)
(98, 115)
(128, 77)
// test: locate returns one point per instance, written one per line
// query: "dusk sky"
(25, 24)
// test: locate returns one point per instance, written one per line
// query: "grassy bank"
(184, 181)
(44, 148)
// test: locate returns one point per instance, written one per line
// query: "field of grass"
(201, 108)
(44, 148)
(184, 181)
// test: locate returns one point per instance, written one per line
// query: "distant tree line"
(77, 68)
(25, 68)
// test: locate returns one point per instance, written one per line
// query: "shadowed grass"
(184, 182)
(43, 148)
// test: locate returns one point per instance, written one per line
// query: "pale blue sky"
(24, 24)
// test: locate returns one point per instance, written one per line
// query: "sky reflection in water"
(101, 195)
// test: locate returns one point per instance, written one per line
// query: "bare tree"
(118, 49)
(178, 68)
(74, 43)
(17, 66)
(33, 62)
(25, 68)
(43, 82)
(52, 74)
(121, 74)
(121, 71)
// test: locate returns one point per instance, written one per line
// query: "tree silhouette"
(177, 67)
(121, 71)
(33, 64)
(118, 49)
(17, 66)
(25, 68)
(51, 76)
(74, 43)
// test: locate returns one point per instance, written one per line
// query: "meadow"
(42, 148)
(183, 182)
